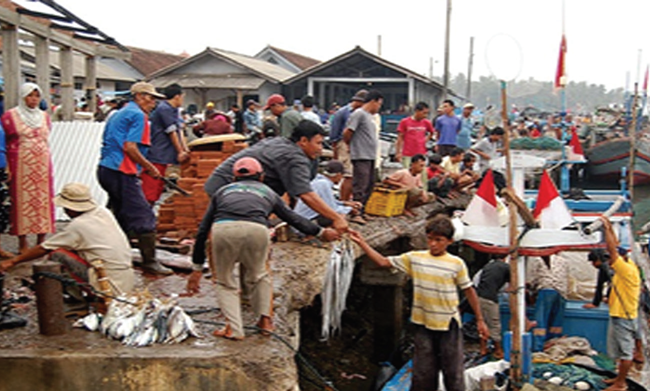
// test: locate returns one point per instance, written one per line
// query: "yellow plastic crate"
(386, 202)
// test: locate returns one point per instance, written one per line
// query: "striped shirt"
(436, 280)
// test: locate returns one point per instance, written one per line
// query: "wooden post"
(49, 300)
(42, 48)
(11, 66)
(67, 83)
(515, 352)
(240, 99)
(91, 83)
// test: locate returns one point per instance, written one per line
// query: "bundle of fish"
(336, 286)
(142, 323)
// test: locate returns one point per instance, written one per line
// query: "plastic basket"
(386, 202)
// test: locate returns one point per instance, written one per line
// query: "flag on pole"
(645, 80)
(550, 209)
(575, 148)
(560, 73)
(482, 210)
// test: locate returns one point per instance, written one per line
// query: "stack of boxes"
(181, 213)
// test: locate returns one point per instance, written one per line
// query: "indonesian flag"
(560, 73)
(575, 148)
(645, 80)
(482, 210)
(550, 210)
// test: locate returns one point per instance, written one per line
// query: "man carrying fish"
(287, 167)
(237, 219)
(93, 234)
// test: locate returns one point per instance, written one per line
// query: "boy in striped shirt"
(436, 275)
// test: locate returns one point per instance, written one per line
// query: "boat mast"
(515, 352)
(632, 134)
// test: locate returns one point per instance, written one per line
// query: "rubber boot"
(147, 246)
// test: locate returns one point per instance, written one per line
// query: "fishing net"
(569, 375)
(336, 286)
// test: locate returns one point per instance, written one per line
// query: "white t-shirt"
(96, 235)
(310, 115)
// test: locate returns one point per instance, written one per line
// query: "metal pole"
(49, 300)
(632, 135)
(468, 94)
(515, 352)
(379, 45)
(445, 81)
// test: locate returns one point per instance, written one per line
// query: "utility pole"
(468, 94)
(445, 79)
(431, 68)
(379, 45)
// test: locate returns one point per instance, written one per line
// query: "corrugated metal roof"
(75, 148)
(209, 81)
(272, 71)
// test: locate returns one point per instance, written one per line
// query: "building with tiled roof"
(291, 61)
(148, 61)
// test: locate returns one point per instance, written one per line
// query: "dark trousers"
(363, 179)
(437, 351)
(444, 150)
(126, 200)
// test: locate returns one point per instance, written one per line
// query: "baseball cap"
(247, 166)
(142, 87)
(360, 96)
(468, 106)
(274, 100)
(333, 167)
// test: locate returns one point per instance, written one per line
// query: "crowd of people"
(144, 137)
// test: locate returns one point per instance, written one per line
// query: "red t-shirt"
(432, 173)
(415, 135)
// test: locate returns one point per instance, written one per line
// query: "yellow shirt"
(436, 280)
(450, 166)
(626, 287)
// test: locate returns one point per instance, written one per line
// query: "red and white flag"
(482, 210)
(550, 209)
(575, 148)
(560, 72)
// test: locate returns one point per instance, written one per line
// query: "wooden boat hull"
(607, 158)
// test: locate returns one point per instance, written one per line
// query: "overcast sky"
(603, 36)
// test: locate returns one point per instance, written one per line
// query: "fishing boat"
(608, 157)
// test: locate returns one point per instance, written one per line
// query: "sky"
(513, 39)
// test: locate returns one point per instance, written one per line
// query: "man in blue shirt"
(167, 144)
(464, 140)
(126, 141)
(252, 118)
(341, 149)
(322, 185)
(447, 127)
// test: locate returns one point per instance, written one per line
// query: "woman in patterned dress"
(27, 130)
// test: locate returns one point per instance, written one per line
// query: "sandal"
(358, 219)
(226, 332)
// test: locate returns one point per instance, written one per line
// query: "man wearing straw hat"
(93, 234)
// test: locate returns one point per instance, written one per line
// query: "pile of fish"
(336, 285)
(139, 322)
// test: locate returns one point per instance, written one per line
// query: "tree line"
(581, 97)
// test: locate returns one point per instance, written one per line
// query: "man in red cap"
(237, 219)
(287, 118)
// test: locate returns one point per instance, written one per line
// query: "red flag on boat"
(550, 209)
(645, 80)
(575, 148)
(560, 74)
(482, 210)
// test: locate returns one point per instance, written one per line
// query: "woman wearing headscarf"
(27, 130)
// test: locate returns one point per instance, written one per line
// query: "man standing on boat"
(623, 309)
(551, 281)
